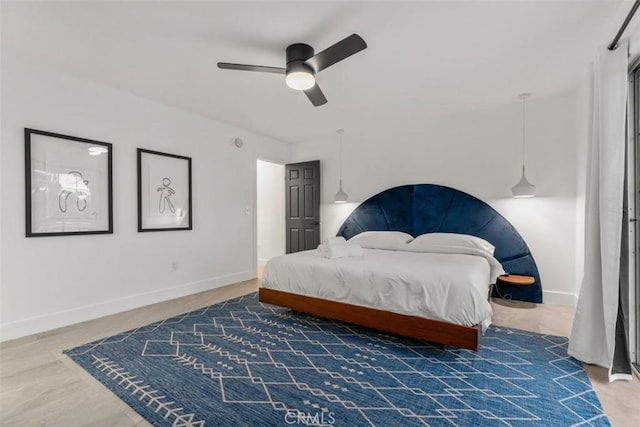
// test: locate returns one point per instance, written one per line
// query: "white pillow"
(432, 242)
(390, 240)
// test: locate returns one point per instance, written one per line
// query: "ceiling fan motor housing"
(297, 54)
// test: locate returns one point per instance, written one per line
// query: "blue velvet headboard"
(428, 208)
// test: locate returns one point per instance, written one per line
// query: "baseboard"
(560, 298)
(262, 262)
(34, 325)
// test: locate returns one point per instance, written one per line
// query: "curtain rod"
(614, 43)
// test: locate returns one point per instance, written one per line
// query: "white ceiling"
(423, 58)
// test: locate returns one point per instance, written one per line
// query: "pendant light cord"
(341, 196)
(340, 132)
(523, 188)
(524, 99)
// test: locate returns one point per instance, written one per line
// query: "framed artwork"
(164, 191)
(68, 185)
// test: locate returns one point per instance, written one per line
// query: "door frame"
(256, 210)
(255, 203)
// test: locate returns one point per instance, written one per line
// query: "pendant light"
(523, 188)
(341, 196)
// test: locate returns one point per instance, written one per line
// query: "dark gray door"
(302, 190)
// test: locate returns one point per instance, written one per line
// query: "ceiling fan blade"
(336, 53)
(244, 67)
(316, 96)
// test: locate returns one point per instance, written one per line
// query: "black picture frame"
(68, 185)
(164, 191)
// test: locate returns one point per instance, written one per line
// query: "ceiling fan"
(302, 65)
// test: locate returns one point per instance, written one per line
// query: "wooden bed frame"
(418, 209)
(436, 331)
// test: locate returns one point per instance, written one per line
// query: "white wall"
(270, 211)
(477, 152)
(53, 281)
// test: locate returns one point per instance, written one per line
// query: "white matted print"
(164, 191)
(68, 185)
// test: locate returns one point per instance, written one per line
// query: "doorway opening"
(270, 211)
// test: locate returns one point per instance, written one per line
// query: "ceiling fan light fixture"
(300, 80)
(302, 64)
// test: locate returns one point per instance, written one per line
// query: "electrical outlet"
(174, 266)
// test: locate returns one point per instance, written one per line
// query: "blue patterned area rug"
(243, 363)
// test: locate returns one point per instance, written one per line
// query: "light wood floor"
(39, 386)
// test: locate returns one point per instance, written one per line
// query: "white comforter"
(448, 287)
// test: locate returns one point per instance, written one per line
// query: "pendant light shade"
(523, 188)
(341, 196)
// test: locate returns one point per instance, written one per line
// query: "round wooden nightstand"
(511, 280)
(515, 279)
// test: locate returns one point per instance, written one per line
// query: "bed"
(308, 283)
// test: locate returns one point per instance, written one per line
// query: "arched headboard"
(428, 208)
